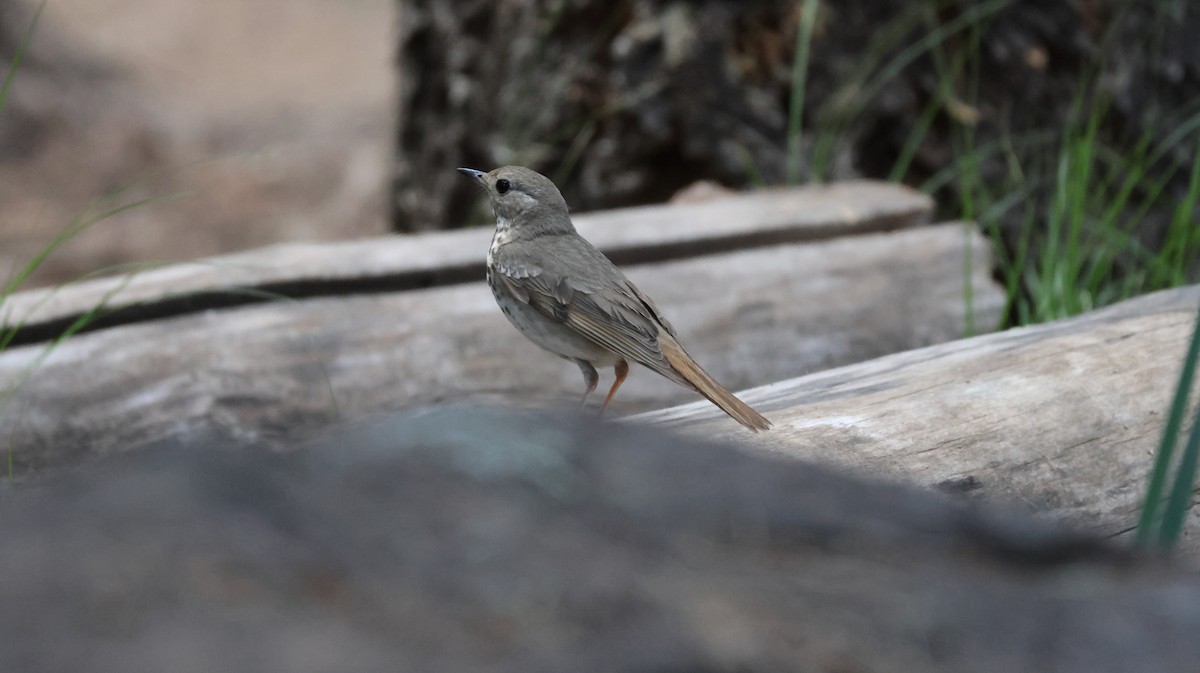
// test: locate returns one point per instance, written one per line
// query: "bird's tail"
(707, 386)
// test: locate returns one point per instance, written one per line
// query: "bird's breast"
(503, 236)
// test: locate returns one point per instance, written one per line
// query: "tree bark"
(1062, 418)
(281, 369)
(630, 236)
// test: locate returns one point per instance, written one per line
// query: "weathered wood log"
(1063, 417)
(462, 542)
(628, 236)
(282, 368)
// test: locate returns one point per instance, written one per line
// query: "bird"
(564, 295)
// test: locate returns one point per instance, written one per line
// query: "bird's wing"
(605, 308)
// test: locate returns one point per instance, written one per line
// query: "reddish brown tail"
(707, 386)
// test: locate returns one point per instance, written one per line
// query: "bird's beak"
(472, 173)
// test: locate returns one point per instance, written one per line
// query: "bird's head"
(522, 198)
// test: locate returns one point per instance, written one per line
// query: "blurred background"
(1066, 128)
(247, 122)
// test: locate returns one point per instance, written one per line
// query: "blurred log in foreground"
(478, 541)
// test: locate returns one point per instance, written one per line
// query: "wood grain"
(628, 236)
(1062, 418)
(750, 317)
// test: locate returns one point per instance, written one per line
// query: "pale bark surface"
(275, 370)
(632, 235)
(1061, 418)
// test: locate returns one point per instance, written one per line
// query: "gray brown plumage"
(567, 297)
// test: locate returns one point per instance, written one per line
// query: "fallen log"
(280, 369)
(303, 270)
(1062, 418)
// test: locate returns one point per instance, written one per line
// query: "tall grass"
(1079, 209)
(1067, 217)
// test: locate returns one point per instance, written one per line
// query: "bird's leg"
(621, 369)
(590, 378)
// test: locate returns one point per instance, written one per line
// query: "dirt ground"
(248, 122)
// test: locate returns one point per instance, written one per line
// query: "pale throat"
(502, 236)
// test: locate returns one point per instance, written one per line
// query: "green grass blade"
(945, 176)
(76, 227)
(1166, 446)
(948, 74)
(968, 19)
(1179, 501)
(11, 325)
(804, 33)
(22, 48)
(1177, 252)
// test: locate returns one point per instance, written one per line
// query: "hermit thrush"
(567, 297)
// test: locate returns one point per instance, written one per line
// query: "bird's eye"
(502, 186)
